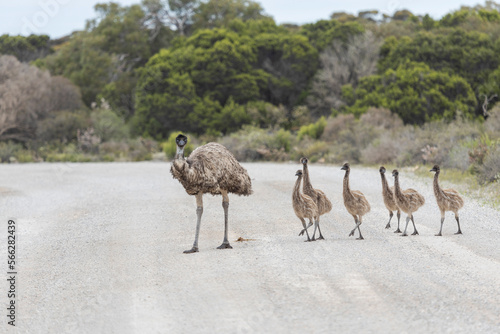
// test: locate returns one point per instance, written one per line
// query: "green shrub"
(313, 130)
(108, 125)
(24, 156)
(8, 151)
(61, 126)
(489, 171)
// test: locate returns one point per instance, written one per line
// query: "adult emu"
(209, 169)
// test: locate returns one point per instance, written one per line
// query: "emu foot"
(459, 232)
(415, 233)
(192, 250)
(225, 246)
(397, 231)
(309, 240)
(388, 226)
(438, 235)
(360, 238)
(302, 232)
(352, 233)
(404, 235)
(321, 238)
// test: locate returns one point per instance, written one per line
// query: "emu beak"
(343, 168)
(433, 170)
(297, 174)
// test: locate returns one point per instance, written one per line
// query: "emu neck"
(347, 189)
(296, 189)
(437, 188)
(385, 185)
(307, 182)
(179, 153)
(397, 189)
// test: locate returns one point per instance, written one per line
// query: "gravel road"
(100, 251)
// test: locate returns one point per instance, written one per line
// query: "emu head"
(181, 140)
(382, 170)
(304, 161)
(298, 173)
(435, 169)
(346, 166)
(395, 173)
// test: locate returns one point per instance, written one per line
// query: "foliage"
(321, 34)
(108, 125)
(341, 65)
(218, 13)
(414, 92)
(28, 95)
(470, 55)
(204, 82)
(313, 130)
(489, 171)
(61, 126)
(25, 49)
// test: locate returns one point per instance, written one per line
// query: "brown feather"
(303, 205)
(447, 199)
(209, 169)
(323, 203)
(354, 200)
(408, 200)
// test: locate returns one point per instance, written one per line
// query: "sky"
(58, 18)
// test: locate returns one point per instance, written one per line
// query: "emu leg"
(357, 222)
(415, 232)
(441, 229)
(305, 228)
(320, 235)
(390, 217)
(407, 221)
(316, 226)
(225, 205)
(359, 230)
(199, 212)
(399, 216)
(458, 222)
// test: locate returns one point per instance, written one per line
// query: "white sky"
(60, 17)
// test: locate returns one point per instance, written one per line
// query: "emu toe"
(360, 238)
(225, 246)
(388, 226)
(397, 231)
(321, 238)
(415, 233)
(404, 235)
(459, 232)
(192, 250)
(438, 235)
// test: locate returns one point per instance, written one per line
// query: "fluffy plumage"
(210, 169)
(389, 200)
(447, 200)
(323, 203)
(408, 201)
(355, 202)
(304, 206)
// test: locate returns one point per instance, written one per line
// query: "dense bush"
(489, 171)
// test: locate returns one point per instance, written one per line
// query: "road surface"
(99, 249)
